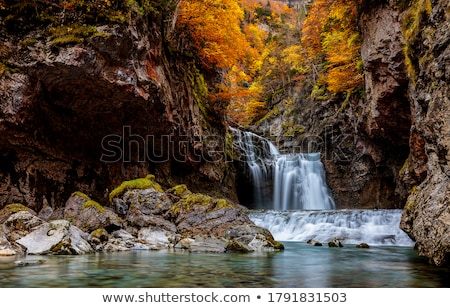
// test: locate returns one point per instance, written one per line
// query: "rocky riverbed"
(140, 216)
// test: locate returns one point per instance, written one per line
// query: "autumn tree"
(332, 42)
(214, 28)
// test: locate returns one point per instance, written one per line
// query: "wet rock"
(20, 224)
(56, 237)
(314, 243)
(202, 214)
(253, 238)
(203, 243)
(93, 216)
(28, 263)
(74, 205)
(10, 209)
(362, 245)
(46, 213)
(99, 236)
(158, 238)
(335, 243)
(6, 252)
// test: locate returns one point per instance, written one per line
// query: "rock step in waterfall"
(297, 179)
(374, 227)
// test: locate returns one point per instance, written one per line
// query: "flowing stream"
(373, 227)
(301, 208)
(297, 180)
(302, 205)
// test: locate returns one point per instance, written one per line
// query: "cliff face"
(111, 106)
(390, 148)
(426, 217)
(363, 138)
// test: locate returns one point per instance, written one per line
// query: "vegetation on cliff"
(265, 48)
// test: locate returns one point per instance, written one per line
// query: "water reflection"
(300, 265)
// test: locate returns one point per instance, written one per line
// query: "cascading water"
(258, 155)
(301, 206)
(299, 183)
(374, 227)
(297, 179)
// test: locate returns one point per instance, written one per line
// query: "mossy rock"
(222, 203)
(81, 195)
(99, 235)
(16, 207)
(236, 246)
(179, 190)
(13, 208)
(141, 183)
(94, 204)
(190, 201)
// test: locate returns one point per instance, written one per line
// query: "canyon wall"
(387, 147)
(426, 216)
(113, 105)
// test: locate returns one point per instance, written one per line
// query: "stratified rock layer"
(426, 217)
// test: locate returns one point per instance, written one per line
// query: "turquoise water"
(299, 266)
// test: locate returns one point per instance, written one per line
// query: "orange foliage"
(214, 26)
(313, 27)
(330, 31)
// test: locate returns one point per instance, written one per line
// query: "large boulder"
(179, 218)
(202, 214)
(89, 215)
(58, 237)
(20, 224)
(250, 237)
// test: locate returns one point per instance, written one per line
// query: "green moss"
(411, 202)
(3, 69)
(189, 202)
(100, 34)
(141, 183)
(236, 246)
(196, 199)
(229, 147)
(179, 190)
(222, 203)
(100, 232)
(16, 207)
(319, 92)
(277, 245)
(66, 40)
(404, 167)
(72, 34)
(290, 129)
(94, 204)
(345, 102)
(411, 28)
(27, 42)
(80, 194)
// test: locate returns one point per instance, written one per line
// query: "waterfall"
(297, 180)
(257, 153)
(374, 227)
(299, 183)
